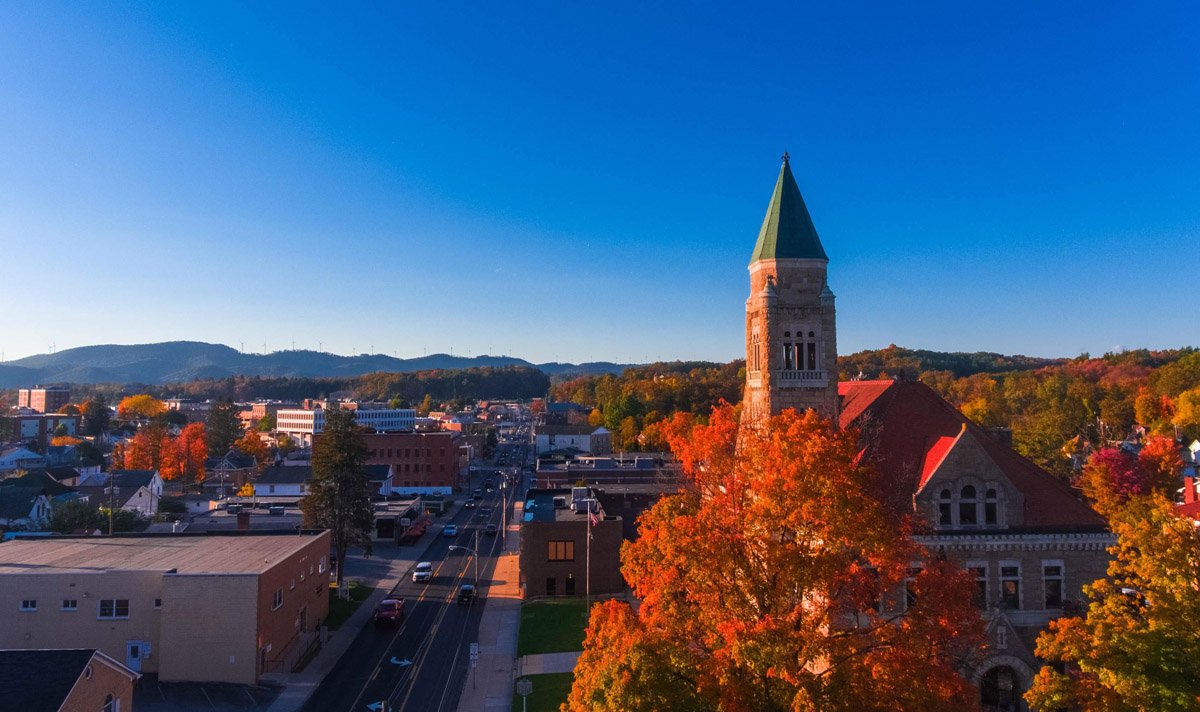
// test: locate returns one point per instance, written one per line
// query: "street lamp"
(473, 553)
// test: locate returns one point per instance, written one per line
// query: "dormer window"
(967, 507)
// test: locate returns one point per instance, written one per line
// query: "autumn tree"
(184, 455)
(139, 406)
(1113, 475)
(1136, 647)
(771, 582)
(252, 444)
(339, 496)
(223, 427)
(144, 450)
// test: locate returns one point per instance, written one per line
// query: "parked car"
(450, 530)
(423, 572)
(490, 530)
(466, 593)
(390, 611)
(477, 494)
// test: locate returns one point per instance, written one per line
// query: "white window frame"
(1008, 564)
(114, 617)
(1062, 582)
(29, 605)
(277, 599)
(74, 604)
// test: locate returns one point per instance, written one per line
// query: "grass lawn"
(549, 691)
(551, 627)
(340, 610)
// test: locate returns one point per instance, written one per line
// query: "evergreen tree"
(339, 496)
(96, 416)
(223, 427)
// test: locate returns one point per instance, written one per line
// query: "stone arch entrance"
(1002, 683)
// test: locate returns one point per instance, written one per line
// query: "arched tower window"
(788, 362)
(967, 506)
(812, 351)
(944, 508)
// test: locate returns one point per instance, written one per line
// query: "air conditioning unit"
(560, 502)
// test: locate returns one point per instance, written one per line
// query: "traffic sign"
(524, 687)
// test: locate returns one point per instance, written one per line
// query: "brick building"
(43, 400)
(81, 680)
(554, 549)
(422, 463)
(1029, 541)
(205, 608)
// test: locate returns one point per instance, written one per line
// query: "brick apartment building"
(205, 608)
(81, 680)
(554, 551)
(422, 463)
(43, 400)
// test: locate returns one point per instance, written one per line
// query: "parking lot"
(152, 696)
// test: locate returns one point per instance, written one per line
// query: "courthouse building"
(1029, 541)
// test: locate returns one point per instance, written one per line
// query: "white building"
(583, 438)
(301, 425)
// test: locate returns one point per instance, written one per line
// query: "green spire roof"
(787, 230)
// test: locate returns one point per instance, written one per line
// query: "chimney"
(243, 521)
(1189, 490)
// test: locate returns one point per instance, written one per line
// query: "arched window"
(111, 704)
(990, 515)
(967, 507)
(812, 351)
(788, 363)
(944, 508)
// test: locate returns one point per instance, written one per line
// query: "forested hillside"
(1054, 406)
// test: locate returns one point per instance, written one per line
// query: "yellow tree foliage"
(772, 582)
(139, 406)
(1138, 645)
(64, 440)
(253, 445)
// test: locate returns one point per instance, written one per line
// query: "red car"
(390, 611)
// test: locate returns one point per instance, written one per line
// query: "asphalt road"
(434, 639)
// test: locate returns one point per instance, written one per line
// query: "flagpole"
(587, 574)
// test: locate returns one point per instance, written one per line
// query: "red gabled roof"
(908, 429)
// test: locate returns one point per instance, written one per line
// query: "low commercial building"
(207, 608)
(30, 427)
(604, 470)
(584, 438)
(555, 557)
(65, 680)
(302, 425)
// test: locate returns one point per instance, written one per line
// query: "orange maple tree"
(772, 582)
(144, 450)
(253, 445)
(183, 456)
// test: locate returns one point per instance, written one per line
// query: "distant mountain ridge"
(182, 361)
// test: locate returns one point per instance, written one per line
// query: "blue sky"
(557, 181)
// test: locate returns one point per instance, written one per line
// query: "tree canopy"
(772, 582)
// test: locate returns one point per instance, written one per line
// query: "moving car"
(466, 593)
(390, 611)
(470, 504)
(423, 572)
(450, 530)
(490, 530)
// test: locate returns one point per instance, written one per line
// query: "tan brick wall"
(208, 630)
(52, 627)
(89, 695)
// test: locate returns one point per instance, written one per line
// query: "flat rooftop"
(539, 507)
(187, 554)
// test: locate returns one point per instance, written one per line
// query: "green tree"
(223, 427)
(339, 497)
(96, 416)
(267, 423)
(60, 430)
(75, 515)
(1136, 647)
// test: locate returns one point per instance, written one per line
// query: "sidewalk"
(493, 686)
(299, 686)
(548, 662)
